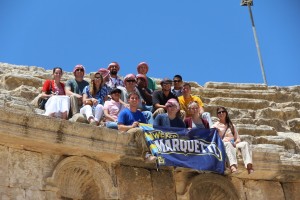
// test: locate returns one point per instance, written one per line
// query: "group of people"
(122, 103)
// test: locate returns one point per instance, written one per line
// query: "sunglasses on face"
(130, 81)
(79, 70)
(220, 112)
(177, 81)
(97, 78)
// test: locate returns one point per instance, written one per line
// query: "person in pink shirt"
(232, 142)
(112, 109)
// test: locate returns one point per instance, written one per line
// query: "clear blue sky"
(203, 40)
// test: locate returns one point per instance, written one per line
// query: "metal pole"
(257, 45)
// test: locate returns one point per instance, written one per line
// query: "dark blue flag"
(200, 149)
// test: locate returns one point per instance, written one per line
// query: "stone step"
(287, 143)
(241, 103)
(270, 95)
(251, 129)
(241, 86)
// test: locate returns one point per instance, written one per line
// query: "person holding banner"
(232, 141)
(128, 122)
(170, 119)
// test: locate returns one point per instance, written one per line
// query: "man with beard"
(114, 80)
(160, 97)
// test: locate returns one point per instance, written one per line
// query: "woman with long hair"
(57, 104)
(93, 99)
(232, 142)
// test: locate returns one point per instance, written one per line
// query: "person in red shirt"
(57, 104)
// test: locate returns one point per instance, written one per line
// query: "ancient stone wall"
(49, 158)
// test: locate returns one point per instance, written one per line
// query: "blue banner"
(200, 149)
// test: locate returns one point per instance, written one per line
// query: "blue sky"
(203, 40)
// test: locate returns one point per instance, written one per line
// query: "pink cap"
(129, 76)
(143, 77)
(113, 63)
(172, 102)
(104, 72)
(78, 67)
(141, 64)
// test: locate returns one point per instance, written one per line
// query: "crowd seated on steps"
(116, 103)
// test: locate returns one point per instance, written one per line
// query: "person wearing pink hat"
(145, 92)
(74, 88)
(106, 77)
(170, 119)
(130, 87)
(143, 68)
(114, 79)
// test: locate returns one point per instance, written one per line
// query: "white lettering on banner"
(188, 147)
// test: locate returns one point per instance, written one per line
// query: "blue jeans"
(112, 125)
(148, 116)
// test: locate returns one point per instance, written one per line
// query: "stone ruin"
(48, 158)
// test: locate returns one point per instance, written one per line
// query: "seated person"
(170, 118)
(160, 97)
(130, 87)
(128, 122)
(93, 98)
(195, 121)
(56, 105)
(232, 141)
(187, 97)
(144, 91)
(112, 108)
(74, 88)
(177, 88)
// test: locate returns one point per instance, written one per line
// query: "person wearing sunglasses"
(74, 89)
(177, 88)
(170, 119)
(231, 139)
(130, 87)
(94, 97)
(160, 97)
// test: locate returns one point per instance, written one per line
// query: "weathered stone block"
(4, 176)
(163, 185)
(8, 193)
(134, 183)
(25, 169)
(263, 190)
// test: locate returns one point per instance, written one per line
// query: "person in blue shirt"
(170, 119)
(128, 122)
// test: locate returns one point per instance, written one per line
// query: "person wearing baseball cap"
(74, 89)
(143, 68)
(114, 79)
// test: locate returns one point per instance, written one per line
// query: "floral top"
(100, 95)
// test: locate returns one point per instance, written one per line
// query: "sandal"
(250, 168)
(233, 169)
